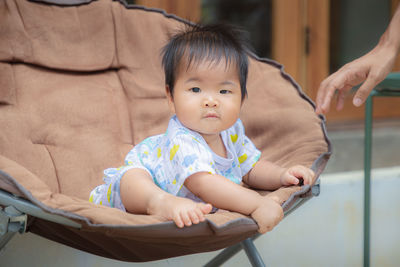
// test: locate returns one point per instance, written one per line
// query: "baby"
(204, 156)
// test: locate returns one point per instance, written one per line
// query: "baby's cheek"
(232, 115)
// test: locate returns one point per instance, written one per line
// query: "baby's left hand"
(292, 175)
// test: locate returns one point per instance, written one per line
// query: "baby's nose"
(210, 102)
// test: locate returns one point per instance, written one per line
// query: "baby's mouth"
(211, 115)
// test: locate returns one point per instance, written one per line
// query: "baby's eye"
(195, 89)
(224, 91)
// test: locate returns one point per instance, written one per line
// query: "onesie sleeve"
(185, 155)
(246, 151)
(132, 160)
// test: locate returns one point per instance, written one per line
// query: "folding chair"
(79, 86)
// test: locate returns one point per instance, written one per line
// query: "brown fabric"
(79, 86)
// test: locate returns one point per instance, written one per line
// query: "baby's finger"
(178, 221)
(301, 173)
(205, 208)
(298, 172)
(281, 215)
(310, 177)
(307, 175)
(264, 229)
(293, 180)
(185, 218)
(199, 214)
(193, 217)
(290, 179)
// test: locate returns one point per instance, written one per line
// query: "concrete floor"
(348, 146)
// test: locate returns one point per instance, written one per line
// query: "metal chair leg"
(231, 251)
(252, 253)
(11, 222)
(224, 256)
(367, 178)
(391, 81)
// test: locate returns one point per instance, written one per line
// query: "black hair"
(207, 42)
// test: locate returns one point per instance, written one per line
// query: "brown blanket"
(79, 86)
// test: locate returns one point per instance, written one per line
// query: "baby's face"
(207, 97)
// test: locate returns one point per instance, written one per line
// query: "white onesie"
(172, 157)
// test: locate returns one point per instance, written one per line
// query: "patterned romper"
(172, 157)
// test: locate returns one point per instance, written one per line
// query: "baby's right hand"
(267, 215)
(187, 212)
(183, 211)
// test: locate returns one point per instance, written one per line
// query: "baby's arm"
(269, 176)
(140, 194)
(223, 193)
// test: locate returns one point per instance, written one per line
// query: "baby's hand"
(293, 175)
(267, 215)
(183, 211)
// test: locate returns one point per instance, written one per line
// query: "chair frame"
(14, 218)
(384, 89)
(14, 211)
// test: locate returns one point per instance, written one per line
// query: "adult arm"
(370, 69)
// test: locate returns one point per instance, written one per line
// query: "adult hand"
(370, 69)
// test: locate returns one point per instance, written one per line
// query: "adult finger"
(335, 84)
(322, 90)
(327, 89)
(341, 97)
(365, 89)
(341, 80)
(340, 100)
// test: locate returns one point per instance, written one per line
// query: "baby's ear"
(244, 98)
(170, 99)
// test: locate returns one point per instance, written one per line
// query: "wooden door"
(301, 42)
(187, 9)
